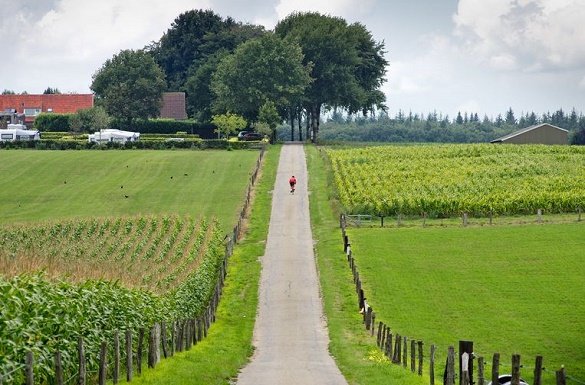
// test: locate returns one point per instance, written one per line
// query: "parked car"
(242, 133)
(506, 379)
(249, 136)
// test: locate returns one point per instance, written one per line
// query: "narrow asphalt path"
(290, 335)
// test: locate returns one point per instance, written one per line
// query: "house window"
(6, 136)
(32, 111)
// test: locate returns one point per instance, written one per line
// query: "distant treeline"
(434, 127)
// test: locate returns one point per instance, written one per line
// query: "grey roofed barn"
(538, 134)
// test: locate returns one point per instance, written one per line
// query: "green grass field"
(512, 289)
(49, 185)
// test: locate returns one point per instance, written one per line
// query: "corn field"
(93, 277)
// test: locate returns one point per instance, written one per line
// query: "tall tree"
(129, 86)
(510, 119)
(181, 45)
(260, 70)
(348, 65)
(213, 48)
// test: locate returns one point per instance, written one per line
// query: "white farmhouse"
(15, 132)
(111, 135)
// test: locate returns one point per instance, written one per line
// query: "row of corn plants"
(447, 180)
(48, 302)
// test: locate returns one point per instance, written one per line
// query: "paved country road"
(290, 335)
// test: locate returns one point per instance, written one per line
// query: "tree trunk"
(315, 114)
(308, 124)
(292, 124)
(299, 114)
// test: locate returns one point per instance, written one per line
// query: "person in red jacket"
(292, 182)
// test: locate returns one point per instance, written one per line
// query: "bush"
(52, 122)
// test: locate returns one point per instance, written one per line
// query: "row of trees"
(434, 127)
(308, 63)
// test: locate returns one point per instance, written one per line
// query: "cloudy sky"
(481, 56)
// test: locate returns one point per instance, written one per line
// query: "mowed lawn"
(49, 185)
(513, 289)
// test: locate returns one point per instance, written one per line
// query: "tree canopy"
(129, 86)
(190, 51)
(348, 65)
(260, 70)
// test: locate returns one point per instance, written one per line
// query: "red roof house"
(32, 105)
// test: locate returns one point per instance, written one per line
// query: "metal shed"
(538, 134)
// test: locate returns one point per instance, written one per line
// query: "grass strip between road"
(228, 346)
(355, 351)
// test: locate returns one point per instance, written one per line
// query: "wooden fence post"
(102, 364)
(81, 355)
(373, 323)
(464, 219)
(450, 369)
(413, 356)
(129, 355)
(405, 353)
(151, 346)
(495, 368)
(538, 371)
(464, 369)
(29, 372)
(389, 344)
(515, 369)
(491, 214)
(466, 347)
(58, 368)
(368, 313)
(579, 217)
(379, 337)
(539, 214)
(116, 372)
(140, 350)
(480, 368)
(420, 358)
(164, 342)
(424, 215)
(432, 365)
(396, 358)
(561, 376)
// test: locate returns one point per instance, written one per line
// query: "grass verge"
(217, 358)
(354, 350)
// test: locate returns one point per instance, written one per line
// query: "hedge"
(195, 144)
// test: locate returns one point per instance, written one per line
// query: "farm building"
(111, 135)
(539, 134)
(173, 106)
(18, 132)
(32, 105)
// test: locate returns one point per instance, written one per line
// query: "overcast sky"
(481, 56)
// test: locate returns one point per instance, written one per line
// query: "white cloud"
(582, 83)
(343, 8)
(50, 47)
(532, 35)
